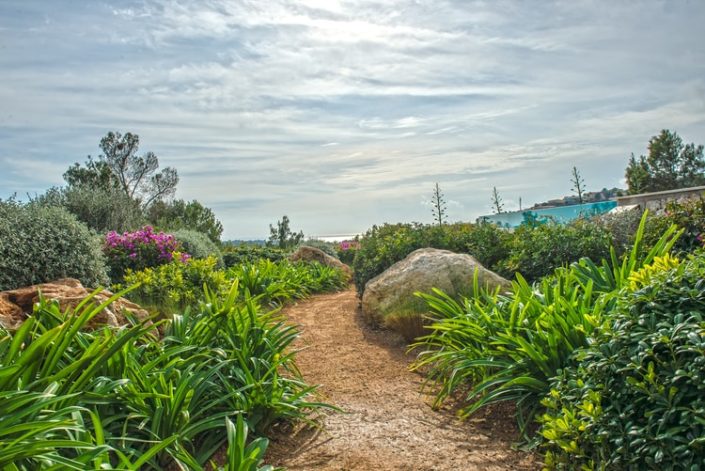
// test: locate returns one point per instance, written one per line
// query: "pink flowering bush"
(139, 250)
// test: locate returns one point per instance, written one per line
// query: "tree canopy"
(120, 167)
(669, 165)
(179, 214)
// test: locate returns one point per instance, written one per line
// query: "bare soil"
(388, 424)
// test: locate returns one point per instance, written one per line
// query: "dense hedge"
(637, 398)
(534, 249)
(237, 255)
(537, 250)
(40, 244)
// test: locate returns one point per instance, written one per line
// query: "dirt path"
(388, 424)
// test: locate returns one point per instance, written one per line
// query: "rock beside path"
(312, 254)
(388, 299)
(18, 304)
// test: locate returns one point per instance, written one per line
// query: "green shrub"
(40, 244)
(176, 285)
(101, 209)
(487, 242)
(636, 399)
(198, 245)
(236, 255)
(501, 347)
(538, 249)
(689, 215)
(276, 282)
(347, 256)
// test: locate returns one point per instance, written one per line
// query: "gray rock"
(389, 301)
(312, 254)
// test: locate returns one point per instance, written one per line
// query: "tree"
(578, 184)
(120, 166)
(438, 208)
(669, 165)
(179, 214)
(497, 201)
(281, 236)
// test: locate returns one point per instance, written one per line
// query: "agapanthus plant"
(139, 250)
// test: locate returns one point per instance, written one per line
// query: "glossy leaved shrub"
(40, 244)
(636, 399)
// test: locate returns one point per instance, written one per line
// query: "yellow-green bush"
(636, 397)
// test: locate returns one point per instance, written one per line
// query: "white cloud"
(303, 107)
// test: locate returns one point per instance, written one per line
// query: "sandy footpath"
(388, 424)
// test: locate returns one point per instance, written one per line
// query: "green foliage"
(176, 285)
(669, 165)
(690, 216)
(101, 209)
(237, 255)
(508, 346)
(636, 398)
(133, 398)
(276, 282)
(198, 245)
(179, 214)
(346, 256)
(241, 455)
(40, 244)
(282, 236)
(538, 249)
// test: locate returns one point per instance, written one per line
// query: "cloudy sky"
(343, 114)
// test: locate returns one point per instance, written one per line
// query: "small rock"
(18, 304)
(312, 254)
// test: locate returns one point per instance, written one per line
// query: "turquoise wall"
(561, 214)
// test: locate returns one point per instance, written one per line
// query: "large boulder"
(18, 304)
(312, 254)
(389, 301)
